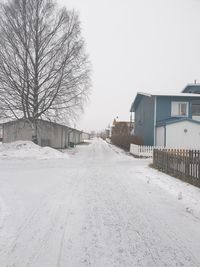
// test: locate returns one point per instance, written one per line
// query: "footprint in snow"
(180, 196)
(189, 210)
(148, 179)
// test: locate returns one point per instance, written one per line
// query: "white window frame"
(175, 108)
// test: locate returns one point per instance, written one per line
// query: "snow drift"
(27, 149)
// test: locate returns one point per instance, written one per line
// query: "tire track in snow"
(73, 192)
(4, 212)
(62, 203)
(31, 232)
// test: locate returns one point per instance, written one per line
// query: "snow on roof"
(140, 94)
(44, 121)
(169, 94)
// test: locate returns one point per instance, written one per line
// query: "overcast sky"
(136, 45)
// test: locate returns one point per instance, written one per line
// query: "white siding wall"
(160, 136)
(15, 131)
(85, 136)
(183, 134)
(196, 117)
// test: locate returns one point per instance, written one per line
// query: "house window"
(196, 109)
(179, 109)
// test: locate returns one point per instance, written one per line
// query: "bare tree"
(44, 70)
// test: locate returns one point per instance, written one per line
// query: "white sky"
(136, 45)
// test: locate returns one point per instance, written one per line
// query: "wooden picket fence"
(142, 151)
(181, 163)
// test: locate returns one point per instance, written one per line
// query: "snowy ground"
(27, 149)
(98, 207)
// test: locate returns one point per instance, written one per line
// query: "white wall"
(196, 117)
(183, 134)
(160, 136)
(16, 130)
(50, 134)
(85, 136)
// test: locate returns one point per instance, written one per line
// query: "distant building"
(122, 127)
(49, 133)
(108, 132)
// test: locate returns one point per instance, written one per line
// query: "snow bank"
(27, 149)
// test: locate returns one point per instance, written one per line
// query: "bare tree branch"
(44, 70)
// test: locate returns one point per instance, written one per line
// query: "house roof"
(120, 122)
(142, 94)
(45, 121)
(175, 120)
(192, 88)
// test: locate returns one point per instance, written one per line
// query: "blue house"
(169, 120)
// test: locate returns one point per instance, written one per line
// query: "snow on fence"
(181, 163)
(143, 151)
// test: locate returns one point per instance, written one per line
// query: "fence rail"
(184, 164)
(143, 151)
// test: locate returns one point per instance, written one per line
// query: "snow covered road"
(98, 208)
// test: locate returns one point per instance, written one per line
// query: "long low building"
(48, 133)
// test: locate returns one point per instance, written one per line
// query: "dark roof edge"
(190, 85)
(176, 120)
(46, 121)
